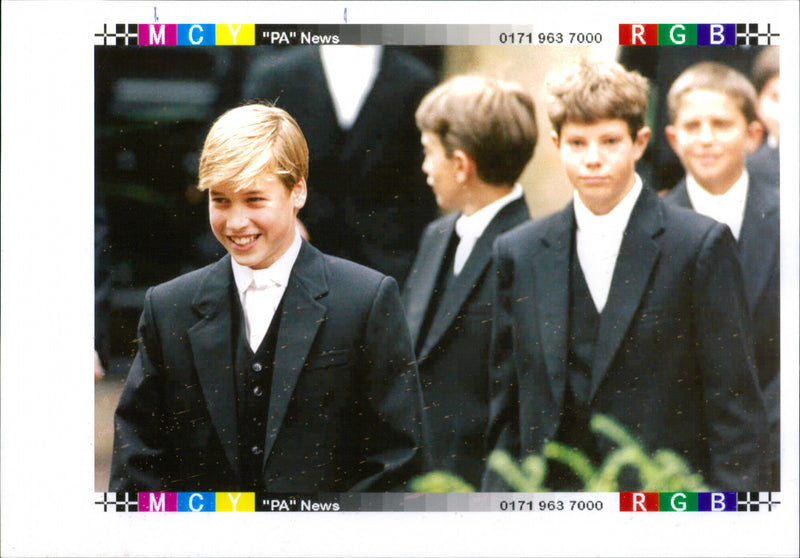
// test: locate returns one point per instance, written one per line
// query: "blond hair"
(589, 91)
(249, 140)
(713, 76)
(492, 121)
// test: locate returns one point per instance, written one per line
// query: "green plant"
(663, 471)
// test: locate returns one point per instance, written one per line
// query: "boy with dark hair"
(478, 135)
(621, 305)
(713, 128)
(278, 368)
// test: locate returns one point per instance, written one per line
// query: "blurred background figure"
(764, 163)
(368, 200)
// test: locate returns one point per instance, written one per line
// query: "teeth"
(242, 241)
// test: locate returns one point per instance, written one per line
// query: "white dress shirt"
(261, 290)
(727, 208)
(350, 72)
(598, 238)
(470, 228)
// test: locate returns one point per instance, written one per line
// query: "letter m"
(157, 36)
(157, 502)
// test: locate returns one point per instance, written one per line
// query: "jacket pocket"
(329, 359)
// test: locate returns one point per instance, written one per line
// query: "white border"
(47, 256)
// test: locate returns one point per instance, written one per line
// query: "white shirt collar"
(350, 72)
(727, 208)
(277, 274)
(473, 225)
(613, 222)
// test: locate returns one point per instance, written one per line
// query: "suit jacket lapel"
(475, 266)
(637, 257)
(757, 249)
(300, 320)
(422, 279)
(212, 350)
(551, 296)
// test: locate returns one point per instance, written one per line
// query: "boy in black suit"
(714, 126)
(621, 305)
(477, 135)
(277, 368)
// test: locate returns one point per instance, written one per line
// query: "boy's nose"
(592, 154)
(706, 133)
(237, 219)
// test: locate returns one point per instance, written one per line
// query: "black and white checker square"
(755, 34)
(756, 501)
(118, 501)
(118, 34)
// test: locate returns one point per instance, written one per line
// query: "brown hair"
(713, 76)
(492, 121)
(249, 140)
(589, 91)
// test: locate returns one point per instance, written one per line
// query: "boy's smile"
(599, 160)
(711, 137)
(256, 225)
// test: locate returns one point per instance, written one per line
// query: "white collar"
(613, 222)
(350, 72)
(727, 208)
(277, 274)
(473, 225)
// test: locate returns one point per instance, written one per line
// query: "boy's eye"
(218, 200)
(255, 199)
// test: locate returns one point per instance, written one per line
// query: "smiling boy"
(714, 126)
(277, 368)
(621, 305)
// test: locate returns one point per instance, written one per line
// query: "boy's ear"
(298, 194)
(672, 137)
(465, 166)
(555, 138)
(641, 141)
(755, 133)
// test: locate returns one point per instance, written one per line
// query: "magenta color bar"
(158, 34)
(158, 501)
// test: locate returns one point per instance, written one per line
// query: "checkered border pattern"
(118, 501)
(118, 34)
(754, 34)
(755, 501)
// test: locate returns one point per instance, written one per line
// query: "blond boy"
(714, 126)
(277, 368)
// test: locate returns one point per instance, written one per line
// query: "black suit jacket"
(367, 195)
(345, 403)
(764, 165)
(454, 356)
(673, 362)
(759, 251)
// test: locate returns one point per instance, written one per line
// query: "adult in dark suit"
(622, 305)
(326, 399)
(478, 134)
(721, 101)
(369, 200)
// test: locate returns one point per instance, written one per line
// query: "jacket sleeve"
(503, 429)
(391, 398)
(735, 412)
(138, 460)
